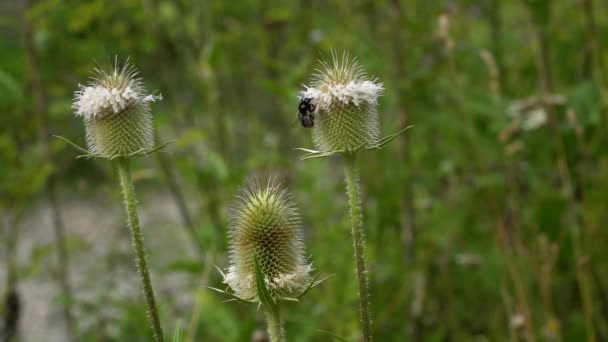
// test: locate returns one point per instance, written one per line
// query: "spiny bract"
(116, 112)
(346, 102)
(265, 225)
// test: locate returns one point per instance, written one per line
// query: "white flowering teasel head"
(116, 112)
(265, 226)
(345, 102)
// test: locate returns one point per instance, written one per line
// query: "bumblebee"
(306, 112)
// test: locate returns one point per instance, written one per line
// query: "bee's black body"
(306, 112)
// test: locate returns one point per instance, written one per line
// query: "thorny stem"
(356, 217)
(128, 192)
(275, 325)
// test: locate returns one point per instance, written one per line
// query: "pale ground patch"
(103, 271)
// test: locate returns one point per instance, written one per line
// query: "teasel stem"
(128, 192)
(274, 321)
(356, 218)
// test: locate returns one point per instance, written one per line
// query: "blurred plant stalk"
(11, 299)
(407, 219)
(593, 56)
(175, 189)
(407, 213)
(167, 166)
(196, 58)
(41, 113)
(507, 240)
(541, 16)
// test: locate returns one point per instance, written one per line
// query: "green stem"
(128, 192)
(356, 217)
(275, 325)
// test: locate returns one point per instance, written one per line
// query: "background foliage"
(487, 221)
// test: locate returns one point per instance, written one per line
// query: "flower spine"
(265, 226)
(116, 112)
(346, 102)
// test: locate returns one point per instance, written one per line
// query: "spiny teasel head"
(265, 226)
(345, 102)
(116, 112)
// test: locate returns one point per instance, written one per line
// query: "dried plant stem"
(593, 49)
(593, 61)
(207, 187)
(507, 241)
(496, 31)
(128, 192)
(580, 244)
(63, 258)
(210, 197)
(275, 325)
(356, 217)
(547, 87)
(168, 171)
(508, 238)
(199, 304)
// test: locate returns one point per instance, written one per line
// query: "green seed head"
(265, 225)
(116, 112)
(345, 106)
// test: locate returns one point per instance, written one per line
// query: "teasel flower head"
(116, 112)
(345, 102)
(265, 230)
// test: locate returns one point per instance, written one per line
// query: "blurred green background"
(486, 221)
